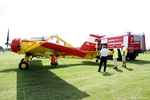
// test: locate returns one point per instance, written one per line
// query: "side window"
(53, 40)
(62, 43)
(137, 37)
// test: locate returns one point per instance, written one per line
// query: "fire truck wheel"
(119, 55)
(132, 56)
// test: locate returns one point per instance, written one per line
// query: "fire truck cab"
(135, 43)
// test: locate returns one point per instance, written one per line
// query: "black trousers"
(103, 61)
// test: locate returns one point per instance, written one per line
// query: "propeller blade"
(8, 36)
(7, 42)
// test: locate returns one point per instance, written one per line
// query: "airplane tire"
(23, 65)
(97, 60)
(22, 59)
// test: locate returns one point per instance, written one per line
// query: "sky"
(73, 20)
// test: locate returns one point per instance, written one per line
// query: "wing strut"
(62, 61)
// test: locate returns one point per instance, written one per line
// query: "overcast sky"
(73, 20)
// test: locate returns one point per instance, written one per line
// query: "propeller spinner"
(15, 45)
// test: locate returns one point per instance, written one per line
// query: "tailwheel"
(97, 60)
(23, 65)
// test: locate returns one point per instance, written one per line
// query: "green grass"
(79, 80)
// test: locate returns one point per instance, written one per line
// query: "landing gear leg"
(24, 64)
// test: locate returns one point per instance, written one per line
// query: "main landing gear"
(24, 63)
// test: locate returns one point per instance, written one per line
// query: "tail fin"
(90, 43)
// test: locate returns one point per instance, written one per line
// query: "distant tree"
(7, 49)
(1, 48)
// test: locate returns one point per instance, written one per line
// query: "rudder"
(90, 43)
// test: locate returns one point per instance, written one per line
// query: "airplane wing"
(48, 48)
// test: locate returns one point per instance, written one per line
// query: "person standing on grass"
(54, 62)
(115, 57)
(124, 53)
(103, 54)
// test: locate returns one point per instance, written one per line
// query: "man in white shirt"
(103, 54)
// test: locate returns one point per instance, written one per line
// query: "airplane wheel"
(22, 59)
(23, 65)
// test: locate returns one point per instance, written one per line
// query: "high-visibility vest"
(115, 54)
(124, 49)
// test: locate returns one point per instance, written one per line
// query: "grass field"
(79, 80)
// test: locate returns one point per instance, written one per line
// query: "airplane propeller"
(15, 43)
(7, 42)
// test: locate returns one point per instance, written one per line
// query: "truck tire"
(132, 56)
(119, 55)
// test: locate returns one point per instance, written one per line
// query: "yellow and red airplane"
(52, 45)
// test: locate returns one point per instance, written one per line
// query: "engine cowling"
(15, 45)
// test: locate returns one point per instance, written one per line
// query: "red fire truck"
(135, 43)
